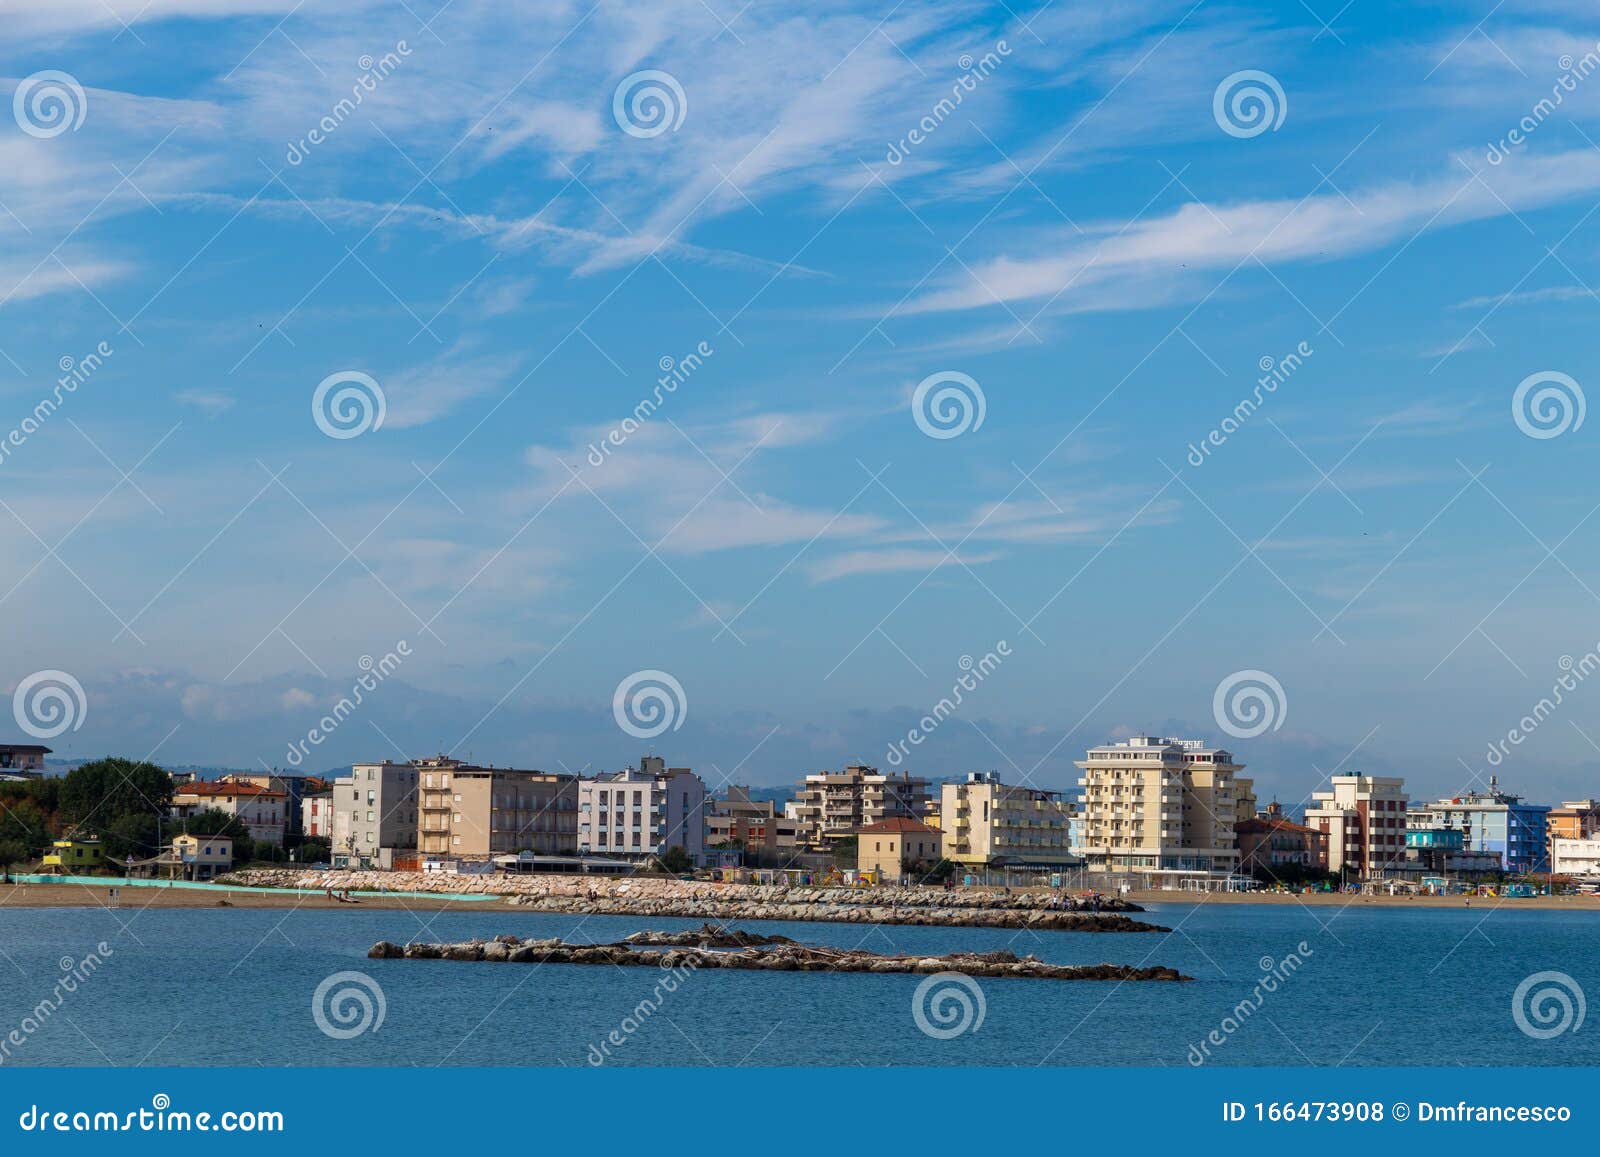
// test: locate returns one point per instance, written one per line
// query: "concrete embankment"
(774, 958)
(703, 900)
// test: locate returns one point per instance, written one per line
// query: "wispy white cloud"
(859, 562)
(1078, 273)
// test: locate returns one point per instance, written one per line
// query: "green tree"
(12, 852)
(314, 850)
(23, 821)
(96, 795)
(131, 834)
(675, 859)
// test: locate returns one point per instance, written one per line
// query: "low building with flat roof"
(68, 857)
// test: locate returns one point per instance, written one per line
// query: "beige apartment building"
(831, 806)
(1160, 806)
(1364, 818)
(987, 823)
(895, 850)
(471, 812)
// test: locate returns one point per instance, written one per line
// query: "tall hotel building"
(1364, 817)
(1155, 805)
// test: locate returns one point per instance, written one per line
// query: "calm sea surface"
(1379, 986)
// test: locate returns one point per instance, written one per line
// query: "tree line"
(127, 804)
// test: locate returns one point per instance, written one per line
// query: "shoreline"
(1573, 903)
(135, 898)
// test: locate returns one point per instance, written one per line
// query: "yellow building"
(987, 823)
(891, 847)
(71, 857)
(1161, 808)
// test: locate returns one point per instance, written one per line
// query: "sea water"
(1357, 985)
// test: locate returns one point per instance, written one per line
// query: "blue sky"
(1086, 235)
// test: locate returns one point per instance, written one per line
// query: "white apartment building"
(1364, 817)
(316, 812)
(262, 812)
(988, 823)
(1574, 857)
(1155, 805)
(643, 812)
(375, 814)
(831, 806)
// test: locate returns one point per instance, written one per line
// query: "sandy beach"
(135, 898)
(97, 896)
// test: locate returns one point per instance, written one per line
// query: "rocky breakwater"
(708, 900)
(782, 957)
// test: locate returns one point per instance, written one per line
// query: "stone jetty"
(783, 957)
(722, 903)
